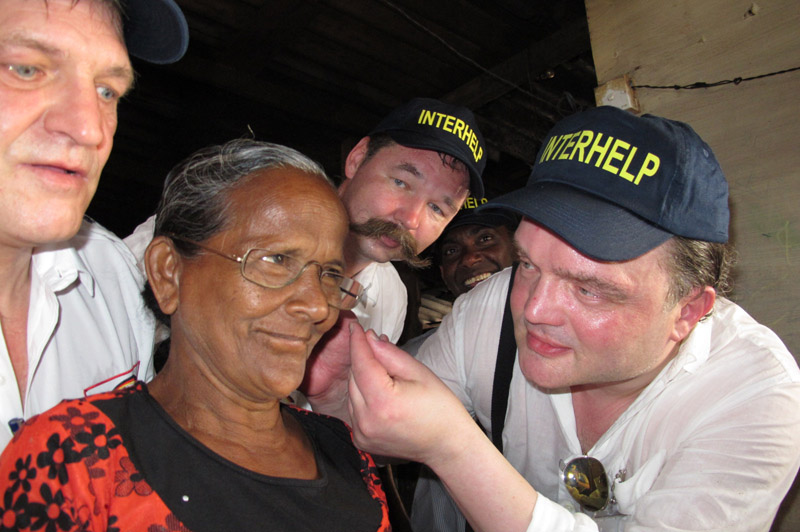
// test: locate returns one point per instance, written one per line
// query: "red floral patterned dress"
(117, 462)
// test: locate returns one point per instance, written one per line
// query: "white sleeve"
(383, 305)
(463, 350)
(138, 241)
(548, 516)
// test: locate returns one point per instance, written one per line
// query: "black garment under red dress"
(117, 462)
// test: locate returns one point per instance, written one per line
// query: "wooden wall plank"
(753, 127)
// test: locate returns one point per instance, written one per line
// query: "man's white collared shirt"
(713, 443)
(88, 328)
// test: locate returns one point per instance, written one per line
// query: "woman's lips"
(544, 346)
(287, 343)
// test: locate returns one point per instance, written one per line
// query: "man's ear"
(355, 158)
(692, 309)
(163, 265)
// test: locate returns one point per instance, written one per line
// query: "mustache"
(376, 228)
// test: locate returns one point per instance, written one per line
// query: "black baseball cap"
(429, 124)
(155, 30)
(469, 214)
(615, 185)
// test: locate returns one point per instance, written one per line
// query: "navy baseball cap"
(155, 30)
(615, 185)
(429, 124)
(469, 214)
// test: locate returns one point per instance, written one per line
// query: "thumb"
(396, 362)
(368, 374)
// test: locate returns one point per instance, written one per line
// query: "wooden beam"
(561, 46)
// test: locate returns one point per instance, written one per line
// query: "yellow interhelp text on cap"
(453, 125)
(473, 203)
(611, 154)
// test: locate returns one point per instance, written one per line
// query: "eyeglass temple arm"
(203, 246)
(349, 293)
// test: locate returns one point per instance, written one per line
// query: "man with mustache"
(71, 315)
(403, 183)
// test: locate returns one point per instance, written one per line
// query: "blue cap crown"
(615, 185)
(429, 124)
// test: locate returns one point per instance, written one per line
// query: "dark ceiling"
(318, 74)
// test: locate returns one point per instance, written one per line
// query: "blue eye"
(107, 93)
(26, 72)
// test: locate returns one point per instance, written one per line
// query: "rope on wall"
(705, 85)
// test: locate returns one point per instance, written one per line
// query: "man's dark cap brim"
(488, 218)
(155, 31)
(593, 226)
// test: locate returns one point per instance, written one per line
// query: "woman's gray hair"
(194, 202)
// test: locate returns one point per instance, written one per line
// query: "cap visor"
(490, 218)
(155, 30)
(593, 226)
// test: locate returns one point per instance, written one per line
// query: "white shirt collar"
(59, 266)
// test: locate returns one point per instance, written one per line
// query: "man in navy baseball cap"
(475, 245)
(627, 391)
(71, 315)
(402, 185)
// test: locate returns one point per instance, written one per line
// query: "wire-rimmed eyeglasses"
(269, 269)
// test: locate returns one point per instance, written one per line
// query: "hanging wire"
(447, 45)
(572, 105)
(705, 85)
(569, 98)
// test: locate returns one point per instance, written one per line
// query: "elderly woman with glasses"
(247, 264)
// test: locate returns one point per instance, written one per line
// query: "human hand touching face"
(398, 407)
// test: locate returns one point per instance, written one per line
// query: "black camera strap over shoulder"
(503, 369)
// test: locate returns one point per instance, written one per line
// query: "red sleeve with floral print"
(67, 470)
